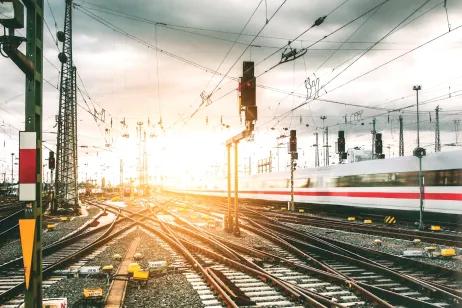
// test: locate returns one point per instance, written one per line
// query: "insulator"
(60, 35)
(62, 57)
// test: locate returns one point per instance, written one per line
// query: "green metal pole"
(34, 87)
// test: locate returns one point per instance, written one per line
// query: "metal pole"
(420, 175)
(373, 138)
(421, 195)
(292, 205)
(33, 123)
(316, 153)
(228, 218)
(437, 130)
(12, 166)
(327, 146)
(237, 232)
(418, 118)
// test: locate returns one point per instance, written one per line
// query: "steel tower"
(66, 156)
(437, 130)
(401, 136)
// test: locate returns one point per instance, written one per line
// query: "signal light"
(341, 142)
(51, 160)
(293, 141)
(247, 85)
(378, 144)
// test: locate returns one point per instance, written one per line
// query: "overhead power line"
(376, 43)
(247, 47)
(319, 40)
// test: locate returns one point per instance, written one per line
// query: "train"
(381, 184)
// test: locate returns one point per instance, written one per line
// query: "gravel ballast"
(389, 245)
(169, 290)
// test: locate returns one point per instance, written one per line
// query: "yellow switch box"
(351, 218)
(51, 227)
(435, 228)
(448, 252)
(141, 275)
(367, 221)
(133, 267)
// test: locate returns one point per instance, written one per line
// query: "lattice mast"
(66, 155)
(437, 130)
(401, 136)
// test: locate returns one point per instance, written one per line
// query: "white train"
(390, 184)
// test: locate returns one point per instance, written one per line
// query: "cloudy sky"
(122, 72)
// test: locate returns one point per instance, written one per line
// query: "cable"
(383, 64)
(394, 59)
(321, 39)
(114, 28)
(235, 41)
(375, 44)
(346, 41)
(245, 49)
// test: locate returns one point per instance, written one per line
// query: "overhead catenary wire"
(321, 39)
(237, 38)
(375, 44)
(377, 67)
(247, 47)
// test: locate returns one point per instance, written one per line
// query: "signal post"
(293, 165)
(247, 104)
(30, 140)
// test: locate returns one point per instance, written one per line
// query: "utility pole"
(316, 150)
(325, 141)
(66, 147)
(419, 153)
(401, 136)
(373, 132)
(437, 130)
(12, 168)
(293, 156)
(327, 146)
(30, 165)
(457, 130)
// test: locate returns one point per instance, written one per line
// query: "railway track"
(441, 238)
(301, 269)
(57, 255)
(380, 230)
(402, 280)
(9, 225)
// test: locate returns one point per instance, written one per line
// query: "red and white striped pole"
(27, 166)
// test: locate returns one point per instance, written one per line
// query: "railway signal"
(293, 156)
(341, 146)
(419, 153)
(379, 146)
(248, 105)
(248, 98)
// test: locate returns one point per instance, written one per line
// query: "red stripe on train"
(364, 194)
